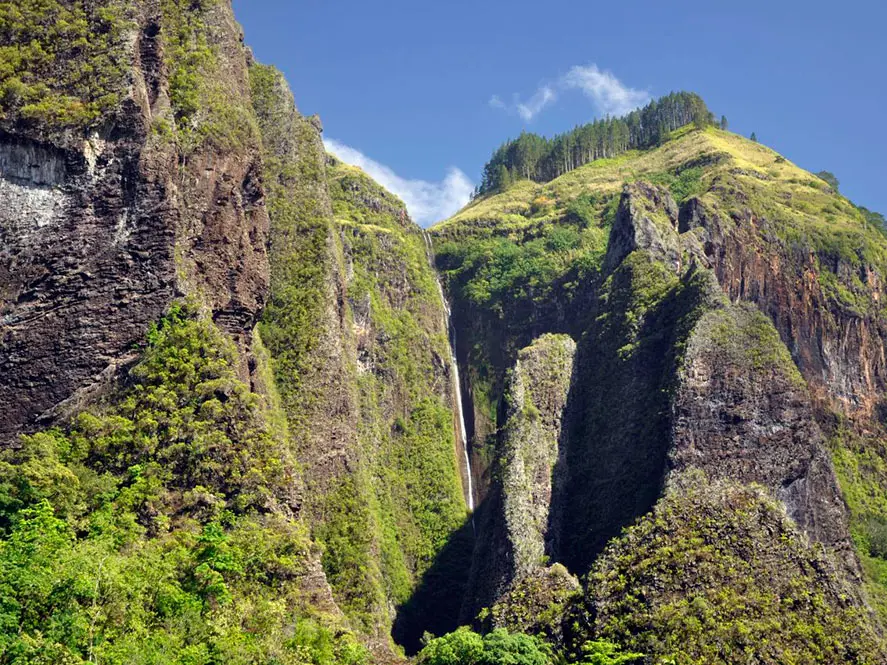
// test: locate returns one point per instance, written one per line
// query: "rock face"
(837, 342)
(678, 389)
(515, 522)
(100, 232)
(357, 332)
(647, 220)
(742, 412)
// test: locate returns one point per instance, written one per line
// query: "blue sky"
(421, 93)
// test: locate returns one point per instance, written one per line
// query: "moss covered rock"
(717, 573)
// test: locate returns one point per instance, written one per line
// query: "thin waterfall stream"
(451, 332)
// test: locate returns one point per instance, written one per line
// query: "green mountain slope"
(633, 256)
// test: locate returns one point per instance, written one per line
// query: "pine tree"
(724, 124)
(540, 159)
(754, 137)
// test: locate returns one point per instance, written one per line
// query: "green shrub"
(154, 528)
(601, 652)
(464, 647)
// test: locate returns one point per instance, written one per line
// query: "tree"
(876, 219)
(503, 178)
(540, 159)
(465, 647)
(754, 137)
(830, 178)
(724, 124)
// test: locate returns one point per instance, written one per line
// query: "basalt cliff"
(247, 405)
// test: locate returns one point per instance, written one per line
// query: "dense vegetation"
(756, 592)
(157, 527)
(63, 63)
(499, 647)
(536, 158)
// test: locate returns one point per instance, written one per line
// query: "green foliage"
(684, 184)
(208, 107)
(498, 273)
(601, 652)
(63, 63)
(862, 471)
(464, 647)
(301, 257)
(718, 574)
(539, 159)
(153, 529)
(540, 604)
(831, 179)
(186, 437)
(876, 219)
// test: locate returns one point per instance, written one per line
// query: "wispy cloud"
(606, 92)
(427, 202)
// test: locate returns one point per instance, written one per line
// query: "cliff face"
(514, 524)
(104, 224)
(707, 344)
(742, 412)
(307, 468)
(358, 335)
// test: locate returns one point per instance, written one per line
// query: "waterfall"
(451, 332)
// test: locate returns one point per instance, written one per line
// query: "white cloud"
(544, 96)
(427, 202)
(608, 94)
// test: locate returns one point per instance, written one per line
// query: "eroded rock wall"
(514, 523)
(102, 228)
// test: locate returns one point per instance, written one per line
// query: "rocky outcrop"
(717, 573)
(101, 229)
(838, 345)
(515, 520)
(742, 412)
(647, 220)
(546, 602)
